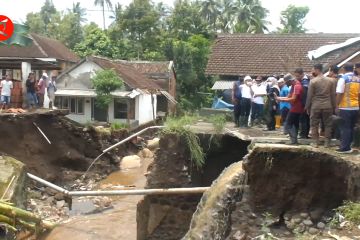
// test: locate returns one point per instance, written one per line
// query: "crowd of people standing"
(303, 103)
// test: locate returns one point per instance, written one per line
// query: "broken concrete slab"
(12, 180)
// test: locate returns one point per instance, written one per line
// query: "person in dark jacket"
(236, 100)
(31, 91)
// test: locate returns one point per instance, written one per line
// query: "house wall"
(78, 78)
(83, 118)
(143, 108)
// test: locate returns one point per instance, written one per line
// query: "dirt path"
(117, 223)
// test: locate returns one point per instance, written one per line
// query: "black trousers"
(293, 121)
(304, 125)
(237, 110)
(271, 123)
(245, 107)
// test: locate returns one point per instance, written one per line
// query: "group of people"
(306, 103)
(35, 90)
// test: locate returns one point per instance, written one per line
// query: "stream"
(117, 223)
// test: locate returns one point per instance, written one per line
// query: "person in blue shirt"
(284, 106)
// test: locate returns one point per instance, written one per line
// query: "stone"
(290, 225)
(308, 223)
(153, 143)
(239, 235)
(146, 153)
(49, 200)
(316, 214)
(300, 228)
(320, 225)
(132, 161)
(60, 204)
(59, 196)
(296, 220)
(304, 215)
(313, 230)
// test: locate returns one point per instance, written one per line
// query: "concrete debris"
(153, 143)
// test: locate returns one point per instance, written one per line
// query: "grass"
(181, 126)
(118, 125)
(218, 122)
(350, 211)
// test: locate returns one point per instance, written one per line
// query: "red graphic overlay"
(6, 28)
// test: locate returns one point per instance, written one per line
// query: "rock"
(239, 236)
(50, 200)
(296, 220)
(313, 230)
(146, 153)
(153, 144)
(60, 204)
(132, 161)
(304, 215)
(320, 225)
(316, 214)
(307, 222)
(300, 229)
(290, 225)
(59, 196)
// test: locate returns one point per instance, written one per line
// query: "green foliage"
(105, 82)
(351, 211)
(96, 42)
(293, 19)
(218, 121)
(180, 126)
(118, 126)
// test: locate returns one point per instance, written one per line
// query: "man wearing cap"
(284, 106)
(246, 95)
(257, 105)
(296, 109)
(348, 102)
(320, 104)
(41, 89)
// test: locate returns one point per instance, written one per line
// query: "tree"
(96, 42)
(71, 30)
(293, 19)
(140, 24)
(210, 11)
(79, 11)
(46, 12)
(250, 16)
(102, 4)
(105, 82)
(35, 23)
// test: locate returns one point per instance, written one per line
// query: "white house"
(135, 103)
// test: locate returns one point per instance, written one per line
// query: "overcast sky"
(324, 16)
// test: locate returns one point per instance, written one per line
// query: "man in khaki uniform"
(320, 103)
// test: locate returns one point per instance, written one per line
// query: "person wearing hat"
(348, 105)
(41, 89)
(284, 106)
(296, 109)
(246, 96)
(272, 105)
(257, 104)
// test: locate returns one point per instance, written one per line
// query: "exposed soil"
(72, 148)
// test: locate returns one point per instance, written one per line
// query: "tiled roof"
(132, 77)
(42, 47)
(266, 54)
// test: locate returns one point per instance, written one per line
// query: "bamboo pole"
(161, 191)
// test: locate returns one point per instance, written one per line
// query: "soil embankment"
(72, 147)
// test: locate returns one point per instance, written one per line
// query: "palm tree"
(226, 19)
(251, 16)
(102, 3)
(79, 11)
(210, 11)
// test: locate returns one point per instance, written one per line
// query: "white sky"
(325, 15)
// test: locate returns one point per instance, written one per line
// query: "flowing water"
(116, 223)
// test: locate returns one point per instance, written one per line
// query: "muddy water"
(116, 223)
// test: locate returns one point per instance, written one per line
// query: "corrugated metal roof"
(223, 85)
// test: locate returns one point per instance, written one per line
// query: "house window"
(120, 108)
(74, 104)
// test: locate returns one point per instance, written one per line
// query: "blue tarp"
(220, 104)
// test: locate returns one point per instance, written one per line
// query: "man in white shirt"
(246, 95)
(257, 105)
(6, 85)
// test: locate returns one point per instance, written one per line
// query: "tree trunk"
(104, 15)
